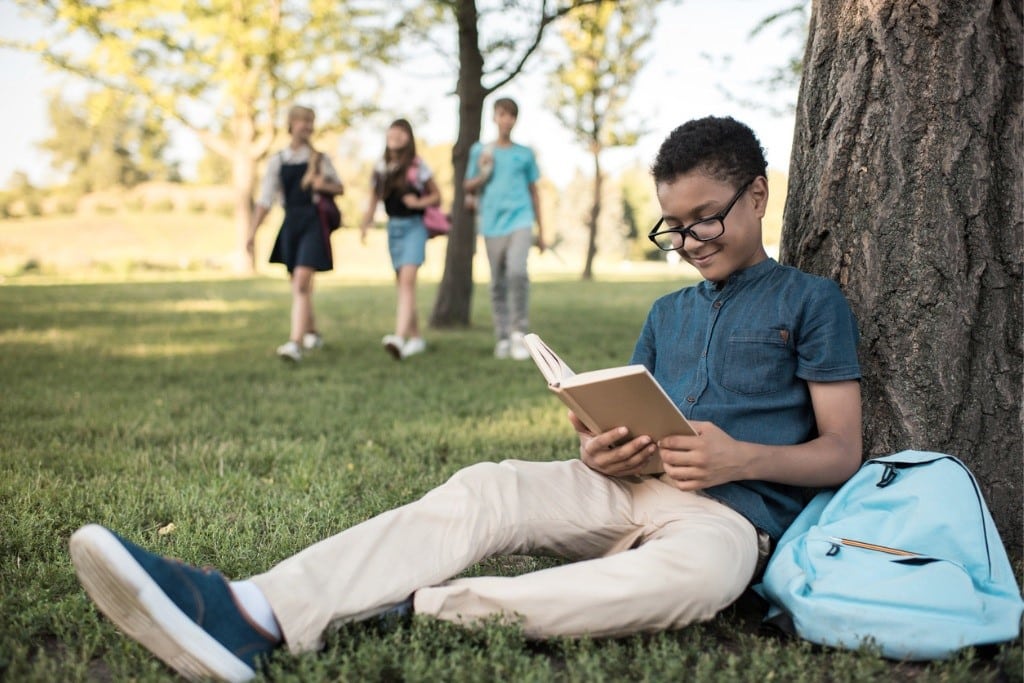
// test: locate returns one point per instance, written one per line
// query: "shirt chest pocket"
(758, 361)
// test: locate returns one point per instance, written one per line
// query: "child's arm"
(535, 199)
(431, 196)
(473, 180)
(364, 225)
(713, 457)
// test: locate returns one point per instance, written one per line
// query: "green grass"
(138, 405)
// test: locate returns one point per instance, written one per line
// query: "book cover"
(625, 396)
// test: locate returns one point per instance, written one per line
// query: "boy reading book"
(760, 357)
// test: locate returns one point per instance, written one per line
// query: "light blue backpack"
(904, 557)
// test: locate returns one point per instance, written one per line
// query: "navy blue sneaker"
(184, 615)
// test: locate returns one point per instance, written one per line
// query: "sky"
(698, 47)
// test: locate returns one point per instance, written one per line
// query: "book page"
(603, 374)
(553, 368)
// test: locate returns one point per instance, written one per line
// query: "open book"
(626, 396)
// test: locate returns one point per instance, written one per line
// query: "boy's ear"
(759, 191)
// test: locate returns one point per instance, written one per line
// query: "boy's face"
(505, 121)
(693, 196)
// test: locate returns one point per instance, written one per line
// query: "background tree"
(905, 186)
(220, 68)
(107, 140)
(493, 44)
(590, 90)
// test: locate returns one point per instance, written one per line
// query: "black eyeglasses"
(704, 230)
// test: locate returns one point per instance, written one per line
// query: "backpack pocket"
(898, 587)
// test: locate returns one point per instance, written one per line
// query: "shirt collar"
(740, 278)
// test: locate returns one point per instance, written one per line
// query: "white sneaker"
(312, 340)
(501, 349)
(519, 350)
(413, 346)
(290, 351)
(393, 344)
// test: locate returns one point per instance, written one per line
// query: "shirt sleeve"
(473, 167)
(327, 169)
(425, 174)
(271, 187)
(827, 343)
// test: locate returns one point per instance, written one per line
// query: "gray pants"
(510, 284)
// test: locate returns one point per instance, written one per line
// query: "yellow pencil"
(874, 546)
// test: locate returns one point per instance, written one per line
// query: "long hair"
(297, 111)
(397, 162)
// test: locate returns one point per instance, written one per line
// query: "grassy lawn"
(141, 405)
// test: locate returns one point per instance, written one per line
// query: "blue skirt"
(407, 240)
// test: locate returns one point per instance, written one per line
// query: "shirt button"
(717, 304)
(691, 399)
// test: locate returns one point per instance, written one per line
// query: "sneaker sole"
(128, 596)
(394, 350)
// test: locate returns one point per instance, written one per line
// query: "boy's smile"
(696, 195)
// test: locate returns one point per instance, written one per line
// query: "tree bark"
(455, 293)
(595, 214)
(905, 187)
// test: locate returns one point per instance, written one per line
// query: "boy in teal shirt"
(505, 176)
(760, 356)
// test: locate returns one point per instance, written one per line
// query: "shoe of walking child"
(501, 349)
(517, 347)
(290, 351)
(413, 346)
(312, 340)
(393, 344)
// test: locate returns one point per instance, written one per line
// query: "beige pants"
(646, 556)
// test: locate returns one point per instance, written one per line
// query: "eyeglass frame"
(688, 230)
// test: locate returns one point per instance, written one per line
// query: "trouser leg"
(520, 242)
(497, 257)
(696, 558)
(560, 508)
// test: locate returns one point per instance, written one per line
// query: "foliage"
(221, 68)
(142, 404)
(782, 77)
(109, 139)
(591, 88)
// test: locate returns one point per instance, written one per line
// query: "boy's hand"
(699, 462)
(604, 453)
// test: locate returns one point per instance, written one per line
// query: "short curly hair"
(720, 147)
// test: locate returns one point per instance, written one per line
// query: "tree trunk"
(455, 293)
(595, 214)
(905, 188)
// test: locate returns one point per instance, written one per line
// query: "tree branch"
(545, 19)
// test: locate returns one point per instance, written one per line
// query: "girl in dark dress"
(297, 174)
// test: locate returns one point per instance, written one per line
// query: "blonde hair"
(298, 111)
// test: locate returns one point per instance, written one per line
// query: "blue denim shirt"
(740, 356)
